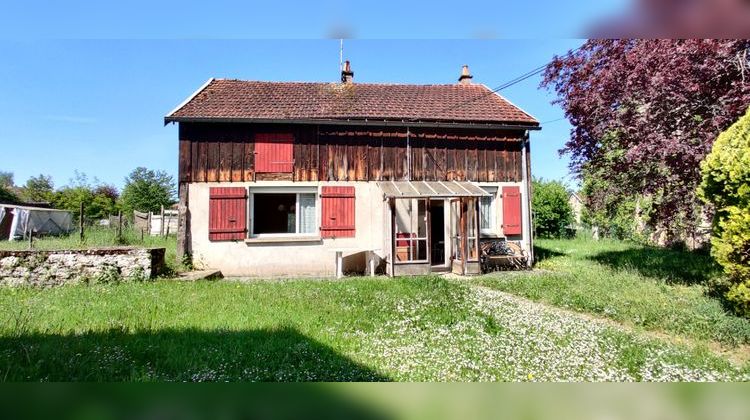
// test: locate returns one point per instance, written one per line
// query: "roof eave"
(368, 122)
(188, 99)
(511, 103)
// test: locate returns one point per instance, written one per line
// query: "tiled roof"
(252, 100)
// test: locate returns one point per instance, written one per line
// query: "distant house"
(277, 178)
(576, 205)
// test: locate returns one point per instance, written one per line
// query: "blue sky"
(97, 106)
(302, 19)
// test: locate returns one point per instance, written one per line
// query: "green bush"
(552, 212)
(726, 185)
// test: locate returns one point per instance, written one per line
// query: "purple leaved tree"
(646, 112)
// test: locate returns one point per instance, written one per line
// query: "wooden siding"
(210, 152)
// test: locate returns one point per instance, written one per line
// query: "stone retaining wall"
(100, 265)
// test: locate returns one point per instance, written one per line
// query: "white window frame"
(415, 239)
(492, 230)
(283, 190)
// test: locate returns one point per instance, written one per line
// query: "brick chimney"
(347, 75)
(465, 78)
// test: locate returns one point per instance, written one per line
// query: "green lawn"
(650, 288)
(420, 329)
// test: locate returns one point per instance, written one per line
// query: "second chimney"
(347, 75)
(465, 78)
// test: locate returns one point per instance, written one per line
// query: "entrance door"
(464, 238)
(437, 232)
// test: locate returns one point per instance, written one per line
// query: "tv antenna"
(341, 54)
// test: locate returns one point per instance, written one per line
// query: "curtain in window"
(307, 213)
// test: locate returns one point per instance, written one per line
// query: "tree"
(6, 179)
(7, 195)
(147, 190)
(726, 185)
(100, 200)
(646, 112)
(7, 190)
(552, 212)
(38, 189)
(616, 215)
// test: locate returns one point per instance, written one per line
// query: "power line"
(551, 121)
(507, 84)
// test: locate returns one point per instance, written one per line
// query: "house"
(307, 179)
(576, 206)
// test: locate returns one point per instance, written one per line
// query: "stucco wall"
(287, 258)
(52, 268)
(304, 259)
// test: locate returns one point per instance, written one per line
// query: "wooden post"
(183, 223)
(161, 228)
(462, 228)
(477, 231)
(148, 222)
(31, 238)
(529, 195)
(141, 234)
(392, 204)
(80, 222)
(428, 211)
(119, 225)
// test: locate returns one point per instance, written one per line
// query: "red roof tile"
(239, 99)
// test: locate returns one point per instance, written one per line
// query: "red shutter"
(337, 205)
(274, 152)
(512, 211)
(227, 213)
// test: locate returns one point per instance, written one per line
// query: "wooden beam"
(392, 204)
(183, 224)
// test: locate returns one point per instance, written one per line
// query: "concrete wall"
(53, 268)
(293, 257)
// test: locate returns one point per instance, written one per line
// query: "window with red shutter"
(512, 211)
(274, 152)
(337, 210)
(227, 213)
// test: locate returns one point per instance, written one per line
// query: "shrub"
(552, 212)
(726, 185)
(100, 199)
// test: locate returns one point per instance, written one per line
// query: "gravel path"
(508, 338)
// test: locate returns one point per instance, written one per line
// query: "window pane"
(422, 218)
(472, 251)
(411, 229)
(485, 213)
(471, 217)
(274, 213)
(307, 213)
(455, 232)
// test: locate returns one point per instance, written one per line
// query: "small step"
(200, 275)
